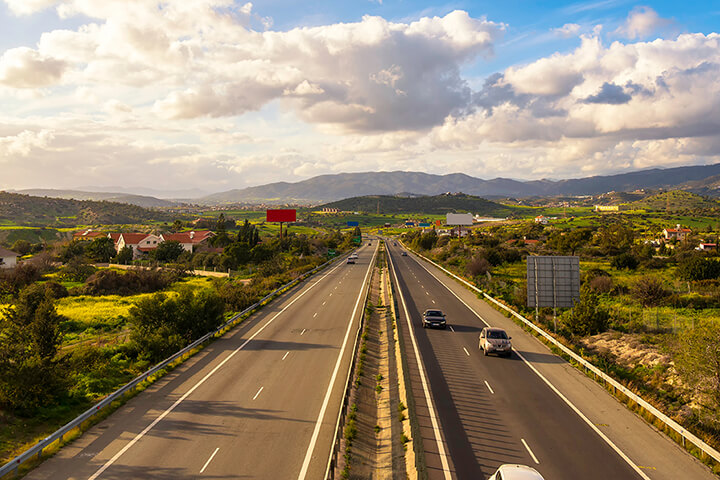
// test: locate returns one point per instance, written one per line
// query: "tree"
(125, 255)
(696, 267)
(569, 242)
(168, 251)
(615, 239)
(23, 247)
(649, 291)
(587, 317)
(29, 340)
(101, 249)
(625, 261)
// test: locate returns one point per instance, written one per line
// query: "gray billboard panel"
(553, 281)
(459, 219)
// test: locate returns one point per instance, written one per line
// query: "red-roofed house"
(678, 233)
(88, 235)
(189, 240)
(140, 242)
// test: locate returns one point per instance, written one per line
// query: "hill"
(678, 201)
(438, 205)
(139, 200)
(29, 210)
(329, 188)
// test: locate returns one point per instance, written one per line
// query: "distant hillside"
(438, 204)
(139, 200)
(29, 210)
(328, 188)
(678, 200)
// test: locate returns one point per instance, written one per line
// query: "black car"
(434, 318)
(403, 254)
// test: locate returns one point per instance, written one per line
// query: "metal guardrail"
(37, 450)
(332, 460)
(617, 386)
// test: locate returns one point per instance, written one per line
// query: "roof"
(133, 238)
(675, 230)
(114, 236)
(188, 237)
(88, 233)
(4, 252)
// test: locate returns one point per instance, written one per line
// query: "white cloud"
(28, 7)
(26, 68)
(641, 22)
(568, 30)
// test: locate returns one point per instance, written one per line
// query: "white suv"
(516, 472)
(495, 340)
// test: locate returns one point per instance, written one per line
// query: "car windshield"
(496, 334)
(433, 313)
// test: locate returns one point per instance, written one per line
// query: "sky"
(216, 94)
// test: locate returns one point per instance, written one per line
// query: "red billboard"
(281, 215)
(438, 222)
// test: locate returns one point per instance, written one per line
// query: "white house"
(9, 258)
(139, 242)
(189, 240)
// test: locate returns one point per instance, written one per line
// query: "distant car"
(369, 243)
(354, 255)
(495, 340)
(516, 472)
(403, 254)
(433, 318)
(351, 260)
(394, 244)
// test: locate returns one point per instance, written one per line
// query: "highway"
(261, 402)
(477, 412)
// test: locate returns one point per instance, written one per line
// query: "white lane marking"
(427, 293)
(303, 332)
(324, 303)
(326, 401)
(431, 408)
(552, 387)
(315, 315)
(201, 381)
(258, 393)
(286, 354)
(433, 301)
(489, 387)
(451, 328)
(209, 460)
(527, 447)
(466, 352)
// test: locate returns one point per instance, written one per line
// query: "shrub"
(110, 282)
(587, 317)
(625, 261)
(477, 266)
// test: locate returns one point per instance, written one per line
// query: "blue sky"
(235, 94)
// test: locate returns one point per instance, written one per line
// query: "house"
(677, 233)
(541, 219)
(9, 258)
(87, 235)
(189, 240)
(707, 246)
(329, 210)
(607, 208)
(141, 243)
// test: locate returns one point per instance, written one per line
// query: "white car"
(516, 472)
(495, 340)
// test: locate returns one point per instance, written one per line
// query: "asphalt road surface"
(261, 402)
(477, 412)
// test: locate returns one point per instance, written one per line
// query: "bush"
(477, 266)
(602, 284)
(625, 261)
(649, 291)
(76, 271)
(587, 317)
(697, 267)
(110, 282)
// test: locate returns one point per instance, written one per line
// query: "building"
(8, 258)
(677, 233)
(329, 210)
(707, 246)
(87, 235)
(140, 243)
(189, 240)
(541, 219)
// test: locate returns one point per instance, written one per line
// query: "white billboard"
(459, 219)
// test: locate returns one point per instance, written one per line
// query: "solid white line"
(451, 328)
(209, 460)
(431, 408)
(529, 451)
(489, 387)
(258, 393)
(303, 332)
(286, 354)
(468, 353)
(552, 387)
(197, 385)
(326, 401)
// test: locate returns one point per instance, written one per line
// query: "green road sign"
(331, 253)
(357, 240)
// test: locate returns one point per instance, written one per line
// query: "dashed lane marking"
(527, 447)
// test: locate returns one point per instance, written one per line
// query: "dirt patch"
(628, 349)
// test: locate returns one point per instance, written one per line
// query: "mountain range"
(704, 180)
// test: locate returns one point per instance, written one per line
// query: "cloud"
(641, 22)
(26, 68)
(568, 30)
(611, 94)
(28, 7)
